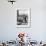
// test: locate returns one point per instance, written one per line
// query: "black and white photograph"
(23, 17)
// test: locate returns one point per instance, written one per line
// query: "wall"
(8, 28)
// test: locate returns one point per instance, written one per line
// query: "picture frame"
(23, 18)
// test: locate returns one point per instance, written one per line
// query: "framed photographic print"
(23, 18)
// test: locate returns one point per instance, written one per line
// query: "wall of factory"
(8, 30)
